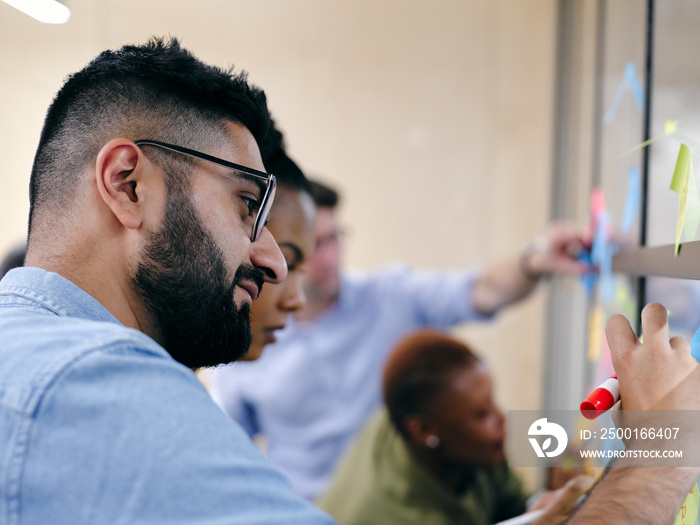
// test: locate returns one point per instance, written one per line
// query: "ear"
(120, 170)
(418, 429)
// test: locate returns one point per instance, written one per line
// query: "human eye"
(252, 204)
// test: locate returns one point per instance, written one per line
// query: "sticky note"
(633, 198)
(588, 280)
(596, 321)
(688, 512)
(679, 184)
(695, 345)
(605, 368)
(601, 255)
(597, 209)
(624, 300)
(634, 84)
(629, 82)
(597, 203)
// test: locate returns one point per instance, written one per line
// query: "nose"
(293, 297)
(266, 256)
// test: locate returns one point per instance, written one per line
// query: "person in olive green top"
(435, 455)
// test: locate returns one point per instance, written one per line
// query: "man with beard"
(147, 244)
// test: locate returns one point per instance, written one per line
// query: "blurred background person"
(435, 453)
(315, 387)
(292, 223)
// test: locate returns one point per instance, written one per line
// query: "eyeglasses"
(261, 212)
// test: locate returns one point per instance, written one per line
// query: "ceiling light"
(47, 11)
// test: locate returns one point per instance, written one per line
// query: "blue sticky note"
(633, 198)
(588, 280)
(617, 99)
(631, 82)
(634, 84)
(601, 255)
(695, 345)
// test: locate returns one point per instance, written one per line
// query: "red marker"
(601, 399)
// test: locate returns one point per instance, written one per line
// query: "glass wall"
(627, 73)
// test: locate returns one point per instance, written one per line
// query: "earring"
(432, 441)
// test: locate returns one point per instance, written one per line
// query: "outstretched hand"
(556, 252)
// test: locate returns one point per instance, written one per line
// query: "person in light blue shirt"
(313, 389)
(147, 244)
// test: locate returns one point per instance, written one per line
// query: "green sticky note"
(688, 512)
(679, 184)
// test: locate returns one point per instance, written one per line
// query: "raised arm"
(509, 281)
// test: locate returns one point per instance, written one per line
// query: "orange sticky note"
(596, 323)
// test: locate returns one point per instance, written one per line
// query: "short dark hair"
(277, 162)
(324, 196)
(418, 370)
(158, 91)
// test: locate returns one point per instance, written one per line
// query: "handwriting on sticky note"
(688, 512)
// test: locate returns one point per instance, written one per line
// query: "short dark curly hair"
(418, 370)
(324, 196)
(158, 91)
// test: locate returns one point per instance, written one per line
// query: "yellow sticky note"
(679, 184)
(595, 333)
(688, 512)
(624, 300)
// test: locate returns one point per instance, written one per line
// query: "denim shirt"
(99, 425)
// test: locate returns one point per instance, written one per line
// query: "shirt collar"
(54, 292)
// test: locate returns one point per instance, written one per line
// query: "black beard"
(182, 279)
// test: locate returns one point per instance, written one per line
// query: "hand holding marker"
(607, 394)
